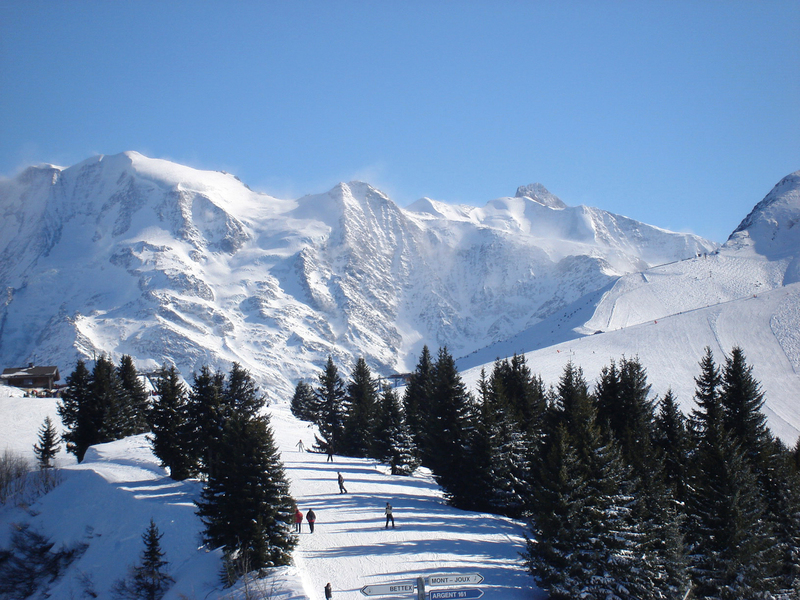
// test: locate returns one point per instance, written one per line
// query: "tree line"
(626, 498)
(213, 430)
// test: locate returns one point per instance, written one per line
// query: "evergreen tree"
(206, 414)
(169, 422)
(113, 401)
(240, 393)
(393, 441)
(417, 403)
(48, 445)
(502, 444)
(362, 404)
(708, 413)
(304, 402)
(148, 580)
(330, 395)
(138, 403)
(621, 397)
(671, 438)
(80, 412)
(452, 429)
(741, 400)
(246, 506)
(732, 550)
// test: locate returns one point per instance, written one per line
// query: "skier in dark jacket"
(311, 517)
(328, 592)
(342, 489)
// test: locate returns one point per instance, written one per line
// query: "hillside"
(350, 547)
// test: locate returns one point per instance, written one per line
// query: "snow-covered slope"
(130, 255)
(745, 294)
(108, 500)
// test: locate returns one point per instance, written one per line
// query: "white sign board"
(454, 579)
(385, 589)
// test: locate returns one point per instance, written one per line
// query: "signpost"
(456, 594)
(437, 579)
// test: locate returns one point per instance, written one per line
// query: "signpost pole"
(420, 588)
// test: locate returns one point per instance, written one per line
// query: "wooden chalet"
(31, 377)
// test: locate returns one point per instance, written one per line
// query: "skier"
(330, 455)
(311, 517)
(328, 591)
(342, 489)
(298, 520)
(389, 516)
(300, 446)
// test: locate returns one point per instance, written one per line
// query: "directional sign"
(456, 594)
(454, 579)
(385, 589)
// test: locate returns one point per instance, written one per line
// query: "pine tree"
(169, 422)
(149, 579)
(362, 403)
(113, 401)
(394, 443)
(451, 427)
(48, 445)
(206, 414)
(671, 438)
(304, 402)
(732, 550)
(80, 412)
(417, 402)
(708, 413)
(137, 401)
(246, 506)
(741, 400)
(240, 393)
(330, 395)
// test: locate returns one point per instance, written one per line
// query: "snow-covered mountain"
(746, 293)
(130, 255)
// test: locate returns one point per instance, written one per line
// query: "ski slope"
(108, 500)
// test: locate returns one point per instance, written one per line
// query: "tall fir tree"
(136, 409)
(80, 412)
(394, 443)
(362, 405)
(170, 426)
(113, 401)
(671, 438)
(330, 393)
(451, 428)
(48, 445)
(246, 506)
(732, 549)
(741, 401)
(206, 416)
(240, 393)
(417, 402)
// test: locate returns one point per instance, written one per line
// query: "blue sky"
(679, 114)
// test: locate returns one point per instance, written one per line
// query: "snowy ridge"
(130, 255)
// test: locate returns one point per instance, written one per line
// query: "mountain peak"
(538, 193)
(771, 227)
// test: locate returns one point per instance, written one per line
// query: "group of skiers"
(311, 516)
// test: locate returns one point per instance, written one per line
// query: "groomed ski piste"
(107, 502)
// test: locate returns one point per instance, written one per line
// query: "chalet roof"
(31, 372)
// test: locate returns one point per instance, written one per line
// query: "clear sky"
(680, 114)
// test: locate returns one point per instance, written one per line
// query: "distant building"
(31, 377)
